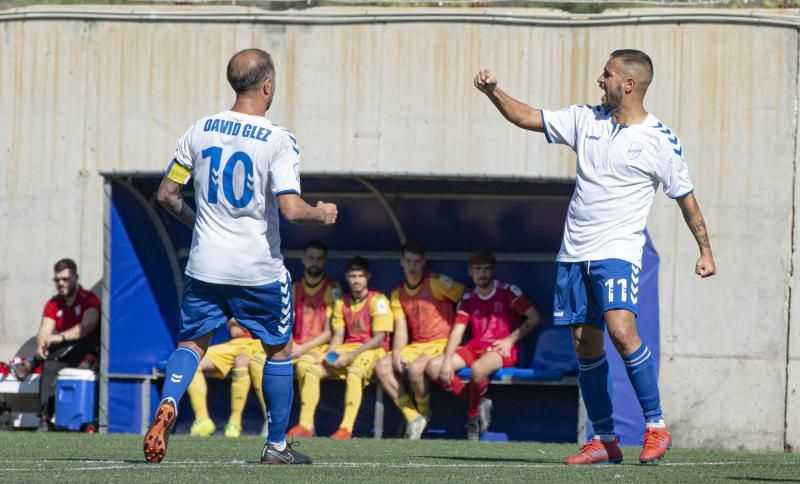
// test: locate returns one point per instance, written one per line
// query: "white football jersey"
(619, 170)
(240, 164)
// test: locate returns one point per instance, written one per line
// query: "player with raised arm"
(623, 154)
(245, 169)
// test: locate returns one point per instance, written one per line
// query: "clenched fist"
(705, 266)
(329, 212)
(485, 81)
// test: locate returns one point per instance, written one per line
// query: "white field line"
(118, 465)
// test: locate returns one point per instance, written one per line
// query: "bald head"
(248, 69)
(637, 65)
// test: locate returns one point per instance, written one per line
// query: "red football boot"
(656, 443)
(300, 432)
(155, 442)
(342, 434)
(597, 452)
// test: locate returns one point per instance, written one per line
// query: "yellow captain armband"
(177, 172)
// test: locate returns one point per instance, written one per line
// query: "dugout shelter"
(520, 220)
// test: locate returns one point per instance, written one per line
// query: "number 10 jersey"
(240, 165)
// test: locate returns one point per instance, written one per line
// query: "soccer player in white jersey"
(623, 154)
(245, 169)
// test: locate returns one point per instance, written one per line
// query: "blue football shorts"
(266, 311)
(586, 290)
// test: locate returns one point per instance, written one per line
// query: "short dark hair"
(481, 257)
(357, 263)
(244, 75)
(638, 61)
(316, 244)
(413, 247)
(66, 263)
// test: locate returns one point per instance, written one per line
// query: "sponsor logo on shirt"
(592, 137)
(558, 314)
(382, 307)
(59, 313)
(78, 310)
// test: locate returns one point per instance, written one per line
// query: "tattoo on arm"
(694, 219)
(699, 231)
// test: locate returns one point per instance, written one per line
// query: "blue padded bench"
(553, 361)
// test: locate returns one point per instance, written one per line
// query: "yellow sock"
(424, 405)
(352, 399)
(198, 391)
(240, 387)
(256, 367)
(309, 397)
(407, 407)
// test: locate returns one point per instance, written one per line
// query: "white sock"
(281, 446)
(606, 437)
(658, 424)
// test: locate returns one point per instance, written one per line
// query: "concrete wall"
(88, 90)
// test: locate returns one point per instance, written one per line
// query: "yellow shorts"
(364, 363)
(431, 349)
(314, 355)
(222, 355)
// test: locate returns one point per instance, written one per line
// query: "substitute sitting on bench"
(69, 334)
(499, 316)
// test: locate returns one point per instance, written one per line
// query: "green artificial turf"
(61, 457)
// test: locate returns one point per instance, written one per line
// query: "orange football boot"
(155, 442)
(300, 432)
(597, 452)
(342, 434)
(656, 443)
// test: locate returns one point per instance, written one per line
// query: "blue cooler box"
(75, 398)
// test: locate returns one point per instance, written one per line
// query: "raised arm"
(296, 210)
(517, 112)
(705, 266)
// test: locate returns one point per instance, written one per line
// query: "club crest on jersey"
(634, 150)
(382, 307)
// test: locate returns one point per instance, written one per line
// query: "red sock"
(476, 392)
(457, 387)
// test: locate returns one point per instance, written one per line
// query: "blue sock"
(644, 378)
(278, 387)
(181, 367)
(596, 389)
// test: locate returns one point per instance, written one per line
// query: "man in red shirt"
(499, 316)
(69, 334)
